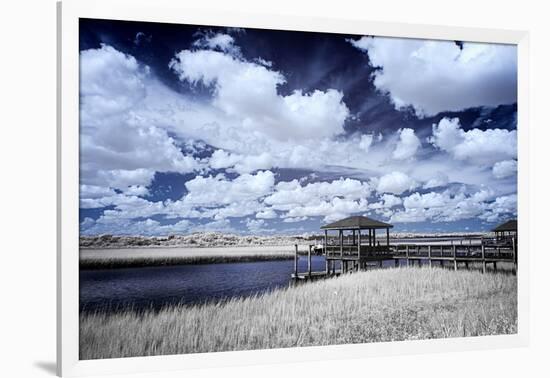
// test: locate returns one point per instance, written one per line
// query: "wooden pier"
(357, 254)
(414, 254)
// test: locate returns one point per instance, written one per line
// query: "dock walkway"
(482, 253)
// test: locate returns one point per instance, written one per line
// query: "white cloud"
(266, 214)
(137, 190)
(427, 200)
(436, 76)
(289, 194)
(506, 168)
(331, 210)
(503, 206)
(119, 148)
(396, 183)
(331, 200)
(294, 220)
(223, 42)
(439, 179)
(407, 145)
(477, 146)
(444, 207)
(126, 227)
(255, 225)
(134, 127)
(93, 191)
(248, 91)
(365, 142)
(391, 200)
(240, 163)
(217, 190)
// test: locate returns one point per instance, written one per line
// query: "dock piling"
(296, 261)
(309, 261)
(454, 256)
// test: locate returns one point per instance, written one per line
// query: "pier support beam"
(309, 261)
(483, 262)
(326, 253)
(514, 254)
(296, 261)
(454, 257)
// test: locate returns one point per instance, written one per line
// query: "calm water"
(155, 287)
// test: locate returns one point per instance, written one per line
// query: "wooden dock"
(359, 259)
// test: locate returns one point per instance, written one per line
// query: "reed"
(143, 257)
(374, 306)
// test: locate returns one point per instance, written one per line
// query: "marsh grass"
(374, 306)
(142, 257)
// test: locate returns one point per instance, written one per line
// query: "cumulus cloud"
(396, 183)
(256, 225)
(240, 163)
(331, 210)
(147, 227)
(119, 148)
(407, 145)
(439, 179)
(338, 198)
(291, 193)
(365, 142)
(133, 126)
(436, 76)
(220, 41)
(266, 214)
(218, 190)
(248, 91)
(478, 146)
(504, 169)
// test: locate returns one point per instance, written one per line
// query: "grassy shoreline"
(374, 306)
(91, 259)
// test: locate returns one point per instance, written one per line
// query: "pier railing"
(353, 251)
(484, 253)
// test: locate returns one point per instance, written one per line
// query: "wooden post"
(309, 261)
(296, 261)
(326, 253)
(483, 259)
(454, 257)
(407, 254)
(370, 238)
(388, 238)
(515, 255)
(341, 243)
(430, 256)
(359, 244)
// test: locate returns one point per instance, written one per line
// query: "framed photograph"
(250, 188)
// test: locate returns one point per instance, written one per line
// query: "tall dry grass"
(156, 256)
(374, 306)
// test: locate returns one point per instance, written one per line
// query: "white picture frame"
(69, 12)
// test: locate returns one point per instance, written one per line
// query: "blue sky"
(193, 128)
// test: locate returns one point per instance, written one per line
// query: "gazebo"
(506, 230)
(358, 247)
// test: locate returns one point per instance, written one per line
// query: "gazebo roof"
(511, 225)
(356, 223)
